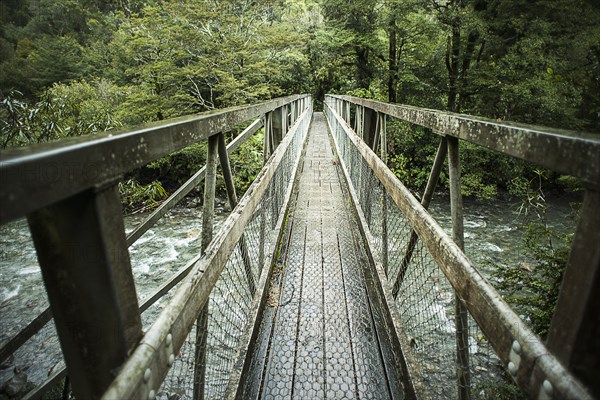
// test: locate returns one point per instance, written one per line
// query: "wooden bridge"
(326, 279)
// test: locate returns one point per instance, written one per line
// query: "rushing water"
(494, 229)
(154, 257)
(492, 233)
(493, 238)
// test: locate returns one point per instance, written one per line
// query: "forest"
(75, 67)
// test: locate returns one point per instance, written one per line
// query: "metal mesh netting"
(41, 358)
(424, 297)
(231, 299)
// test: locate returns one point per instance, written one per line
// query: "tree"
(540, 60)
(356, 20)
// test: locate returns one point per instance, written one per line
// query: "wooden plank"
(80, 243)
(40, 390)
(47, 385)
(208, 214)
(382, 291)
(38, 323)
(461, 315)
(384, 206)
(232, 198)
(25, 334)
(434, 177)
(277, 125)
(370, 118)
(575, 329)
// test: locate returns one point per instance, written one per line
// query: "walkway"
(318, 336)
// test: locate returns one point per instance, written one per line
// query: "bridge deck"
(319, 336)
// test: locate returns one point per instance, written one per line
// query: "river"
(492, 233)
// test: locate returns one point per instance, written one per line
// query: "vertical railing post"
(208, 212)
(277, 127)
(285, 122)
(358, 120)
(575, 328)
(384, 206)
(233, 200)
(263, 216)
(434, 177)
(261, 235)
(371, 138)
(461, 313)
(358, 126)
(82, 251)
(347, 109)
(268, 136)
(370, 130)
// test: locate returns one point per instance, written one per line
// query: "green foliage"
(485, 172)
(543, 55)
(174, 169)
(247, 162)
(136, 197)
(372, 92)
(539, 283)
(73, 67)
(356, 20)
(24, 124)
(412, 151)
(55, 59)
(87, 107)
(501, 387)
(65, 110)
(532, 288)
(472, 185)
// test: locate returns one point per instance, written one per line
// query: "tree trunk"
(466, 64)
(393, 61)
(452, 64)
(364, 73)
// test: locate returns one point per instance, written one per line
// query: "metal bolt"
(548, 387)
(512, 368)
(171, 359)
(151, 395)
(147, 375)
(516, 346)
(169, 339)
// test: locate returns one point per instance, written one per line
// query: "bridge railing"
(472, 338)
(68, 192)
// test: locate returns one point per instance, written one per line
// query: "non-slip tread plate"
(322, 340)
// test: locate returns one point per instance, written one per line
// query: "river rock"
(194, 202)
(8, 362)
(17, 386)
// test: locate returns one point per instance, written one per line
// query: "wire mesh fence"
(230, 302)
(424, 297)
(40, 359)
